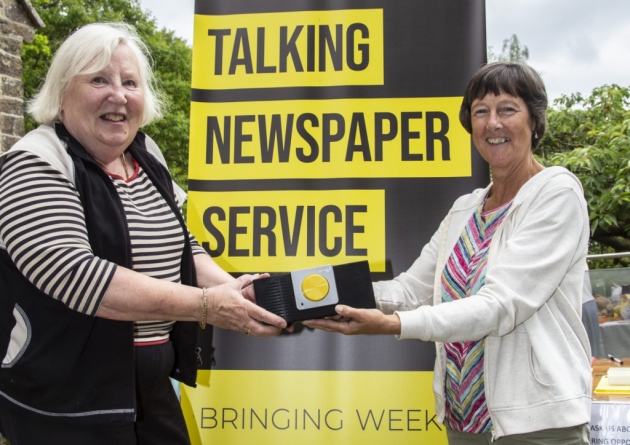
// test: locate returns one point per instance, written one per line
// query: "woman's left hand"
(351, 321)
(248, 291)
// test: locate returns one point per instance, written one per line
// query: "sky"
(576, 45)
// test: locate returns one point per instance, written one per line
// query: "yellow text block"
(281, 231)
(340, 138)
(312, 408)
(288, 49)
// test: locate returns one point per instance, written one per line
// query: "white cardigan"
(537, 354)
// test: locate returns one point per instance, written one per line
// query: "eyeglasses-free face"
(502, 130)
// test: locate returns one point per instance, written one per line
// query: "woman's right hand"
(353, 321)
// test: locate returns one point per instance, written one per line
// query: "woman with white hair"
(101, 284)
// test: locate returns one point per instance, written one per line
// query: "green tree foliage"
(172, 59)
(512, 51)
(591, 137)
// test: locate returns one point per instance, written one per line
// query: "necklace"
(124, 163)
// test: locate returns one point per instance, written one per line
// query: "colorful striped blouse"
(463, 276)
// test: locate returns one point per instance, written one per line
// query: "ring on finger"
(249, 332)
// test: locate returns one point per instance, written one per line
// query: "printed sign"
(325, 133)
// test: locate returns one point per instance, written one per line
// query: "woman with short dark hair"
(499, 285)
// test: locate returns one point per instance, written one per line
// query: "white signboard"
(610, 423)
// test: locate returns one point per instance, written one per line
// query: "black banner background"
(432, 48)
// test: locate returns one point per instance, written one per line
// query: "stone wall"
(18, 23)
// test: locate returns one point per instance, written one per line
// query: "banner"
(325, 133)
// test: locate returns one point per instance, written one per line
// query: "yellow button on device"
(315, 287)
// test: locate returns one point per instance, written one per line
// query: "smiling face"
(103, 110)
(502, 130)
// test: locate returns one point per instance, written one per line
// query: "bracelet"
(204, 310)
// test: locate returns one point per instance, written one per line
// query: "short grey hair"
(88, 50)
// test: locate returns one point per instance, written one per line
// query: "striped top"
(43, 227)
(463, 276)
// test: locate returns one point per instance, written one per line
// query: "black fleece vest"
(77, 367)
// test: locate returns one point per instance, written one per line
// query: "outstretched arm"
(353, 321)
(133, 296)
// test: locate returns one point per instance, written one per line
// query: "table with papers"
(610, 410)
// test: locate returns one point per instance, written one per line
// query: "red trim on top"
(136, 170)
(151, 343)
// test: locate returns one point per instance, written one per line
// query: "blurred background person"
(102, 287)
(499, 285)
(590, 317)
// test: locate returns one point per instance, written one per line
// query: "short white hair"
(89, 50)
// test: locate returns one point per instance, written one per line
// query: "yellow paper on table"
(604, 387)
